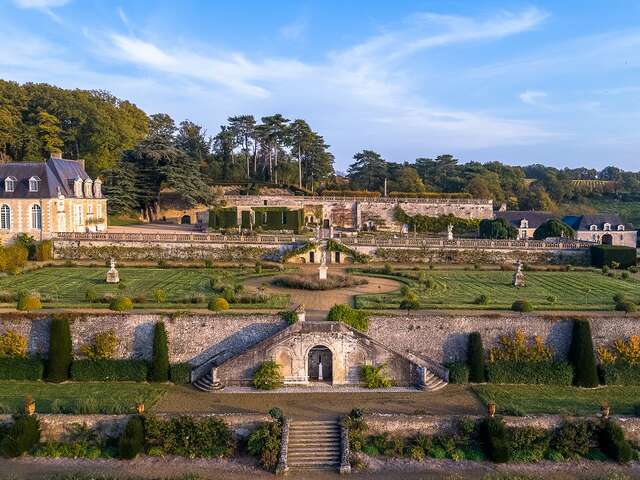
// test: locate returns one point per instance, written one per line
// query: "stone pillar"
(301, 313)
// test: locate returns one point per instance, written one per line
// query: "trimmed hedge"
(21, 369)
(475, 359)
(533, 373)
(605, 255)
(494, 438)
(619, 374)
(458, 372)
(581, 355)
(180, 373)
(109, 370)
(21, 436)
(352, 317)
(159, 368)
(131, 442)
(60, 353)
(613, 443)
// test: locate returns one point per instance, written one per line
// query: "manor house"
(43, 198)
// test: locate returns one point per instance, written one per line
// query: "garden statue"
(322, 269)
(449, 232)
(112, 274)
(518, 277)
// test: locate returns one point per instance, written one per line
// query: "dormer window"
(77, 188)
(97, 188)
(88, 188)
(34, 184)
(524, 223)
(621, 228)
(10, 184)
(607, 227)
(593, 228)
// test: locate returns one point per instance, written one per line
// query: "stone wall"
(410, 425)
(192, 338)
(443, 336)
(439, 335)
(54, 427)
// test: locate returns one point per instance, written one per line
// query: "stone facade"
(346, 351)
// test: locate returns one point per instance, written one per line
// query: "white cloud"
(295, 30)
(532, 97)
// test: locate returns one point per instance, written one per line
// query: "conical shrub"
(159, 371)
(475, 359)
(582, 356)
(60, 351)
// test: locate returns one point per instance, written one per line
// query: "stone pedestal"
(112, 274)
(301, 313)
(322, 272)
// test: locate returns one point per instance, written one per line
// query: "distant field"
(456, 289)
(66, 286)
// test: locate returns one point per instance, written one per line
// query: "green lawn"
(66, 286)
(79, 397)
(535, 399)
(454, 289)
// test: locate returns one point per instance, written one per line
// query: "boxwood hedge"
(535, 373)
(180, 373)
(21, 369)
(109, 370)
(619, 374)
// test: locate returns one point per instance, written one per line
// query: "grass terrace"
(461, 289)
(66, 287)
(539, 399)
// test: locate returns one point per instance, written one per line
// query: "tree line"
(138, 155)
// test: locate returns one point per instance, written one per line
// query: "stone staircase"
(207, 384)
(314, 445)
(433, 383)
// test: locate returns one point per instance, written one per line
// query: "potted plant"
(491, 408)
(29, 405)
(140, 407)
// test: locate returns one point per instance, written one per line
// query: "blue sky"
(546, 82)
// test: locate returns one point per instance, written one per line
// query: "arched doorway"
(607, 239)
(320, 357)
(326, 223)
(185, 220)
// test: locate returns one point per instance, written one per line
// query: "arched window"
(621, 228)
(36, 217)
(524, 223)
(607, 226)
(5, 217)
(10, 184)
(34, 184)
(593, 228)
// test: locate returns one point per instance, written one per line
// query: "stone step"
(314, 445)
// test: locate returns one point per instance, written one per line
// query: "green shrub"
(28, 302)
(495, 440)
(21, 436)
(354, 318)
(606, 255)
(627, 307)
(218, 304)
(68, 450)
(21, 369)
(482, 299)
(190, 437)
(44, 251)
(60, 353)
(104, 346)
(180, 373)
(529, 444)
(613, 443)
(375, 377)
(573, 440)
(131, 442)
(159, 369)
(475, 359)
(289, 316)
(121, 304)
(458, 372)
(109, 370)
(264, 443)
(582, 356)
(620, 373)
(159, 295)
(267, 376)
(522, 306)
(13, 258)
(409, 304)
(537, 373)
(91, 295)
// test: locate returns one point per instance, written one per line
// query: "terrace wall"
(195, 338)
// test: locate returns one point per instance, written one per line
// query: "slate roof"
(583, 222)
(514, 217)
(53, 173)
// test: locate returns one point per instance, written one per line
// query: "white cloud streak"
(532, 97)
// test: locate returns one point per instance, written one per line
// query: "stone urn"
(605, 410)
(140, 408)
(491, 409)
(29, 405)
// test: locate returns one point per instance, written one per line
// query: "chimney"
(56, 155)
(81, 162)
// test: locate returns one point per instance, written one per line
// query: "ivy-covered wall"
(265, 218)
(223, 218)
